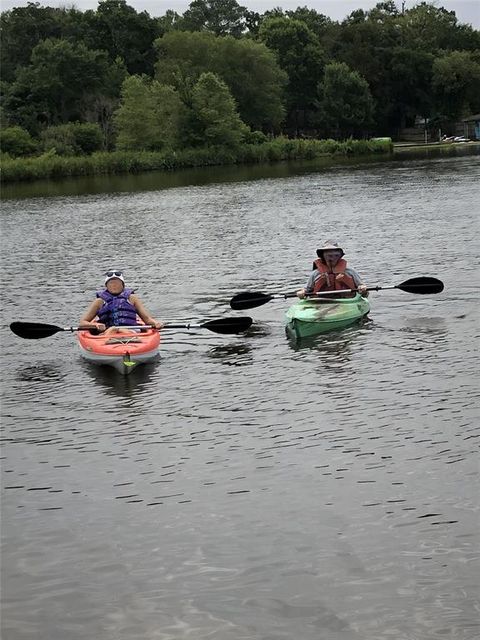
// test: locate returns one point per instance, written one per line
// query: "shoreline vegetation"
(54, 167)
(51, 165)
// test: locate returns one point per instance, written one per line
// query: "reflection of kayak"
(311, 317)
(124, 351)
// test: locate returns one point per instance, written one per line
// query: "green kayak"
(312, 317)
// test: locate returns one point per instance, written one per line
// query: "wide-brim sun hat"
(329, 245)
(114, 273)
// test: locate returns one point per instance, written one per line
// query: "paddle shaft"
(283, 296)
(185, 325)
(167, 325)
(132, 326)
(333, 293)
(330, 293)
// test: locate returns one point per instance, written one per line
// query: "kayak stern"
(122, 351)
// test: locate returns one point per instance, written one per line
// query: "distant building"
(423, 131)
(471, 127)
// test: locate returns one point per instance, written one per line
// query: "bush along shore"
(51, 165)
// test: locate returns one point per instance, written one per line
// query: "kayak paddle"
(251, 299)
(223, 325)
(35, 330)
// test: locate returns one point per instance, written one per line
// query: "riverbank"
(50, 165)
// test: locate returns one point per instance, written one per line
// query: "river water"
(244, 487)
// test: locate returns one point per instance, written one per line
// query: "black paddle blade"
(422, 285)
(33, 330)
(249, 300)
(228, 325)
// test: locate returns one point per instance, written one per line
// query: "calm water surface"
(246, 488)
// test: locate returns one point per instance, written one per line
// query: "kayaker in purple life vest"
(331, 273)
(116, 306)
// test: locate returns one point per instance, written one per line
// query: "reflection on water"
(41, 373)
(259, 329)
(245, 486)
(237, 355)
(429, 325)
(333, 343)
(118, 385)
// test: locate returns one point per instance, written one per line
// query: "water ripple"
(246, 486)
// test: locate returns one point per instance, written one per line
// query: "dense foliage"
(220, 74)
(51, 165)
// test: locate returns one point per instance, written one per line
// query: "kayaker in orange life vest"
(331, 273)
(116, 306)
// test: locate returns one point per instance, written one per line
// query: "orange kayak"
(124, 351)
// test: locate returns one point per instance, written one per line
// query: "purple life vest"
(117, 310)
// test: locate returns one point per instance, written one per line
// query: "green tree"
(255, 79)
(456, 79)
(248, 68)
(5, 91)
(300, 55)
(23, 28)
(170, 21)
(252, 22)
(102, 106)
(150, 115)
(345, 103)
(124, 33)
(221, 17)
(383, 11)
(215, 113)
(59, 84)
(434, 29)
(365, 42)
(408, 87)
(316, 22)
(114, 27)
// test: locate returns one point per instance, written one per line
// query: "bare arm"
(143, 312)
(308, 288)
(362, 288)
(89, 315)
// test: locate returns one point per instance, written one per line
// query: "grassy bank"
(102, 163)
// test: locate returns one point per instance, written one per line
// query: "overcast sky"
(467, 10)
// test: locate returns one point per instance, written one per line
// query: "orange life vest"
(330, 283)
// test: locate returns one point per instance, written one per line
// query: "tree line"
(221, 75)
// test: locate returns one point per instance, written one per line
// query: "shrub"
(88, 137)
(17, 142)
(58, 139)
(255, 137)
(72, 139)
